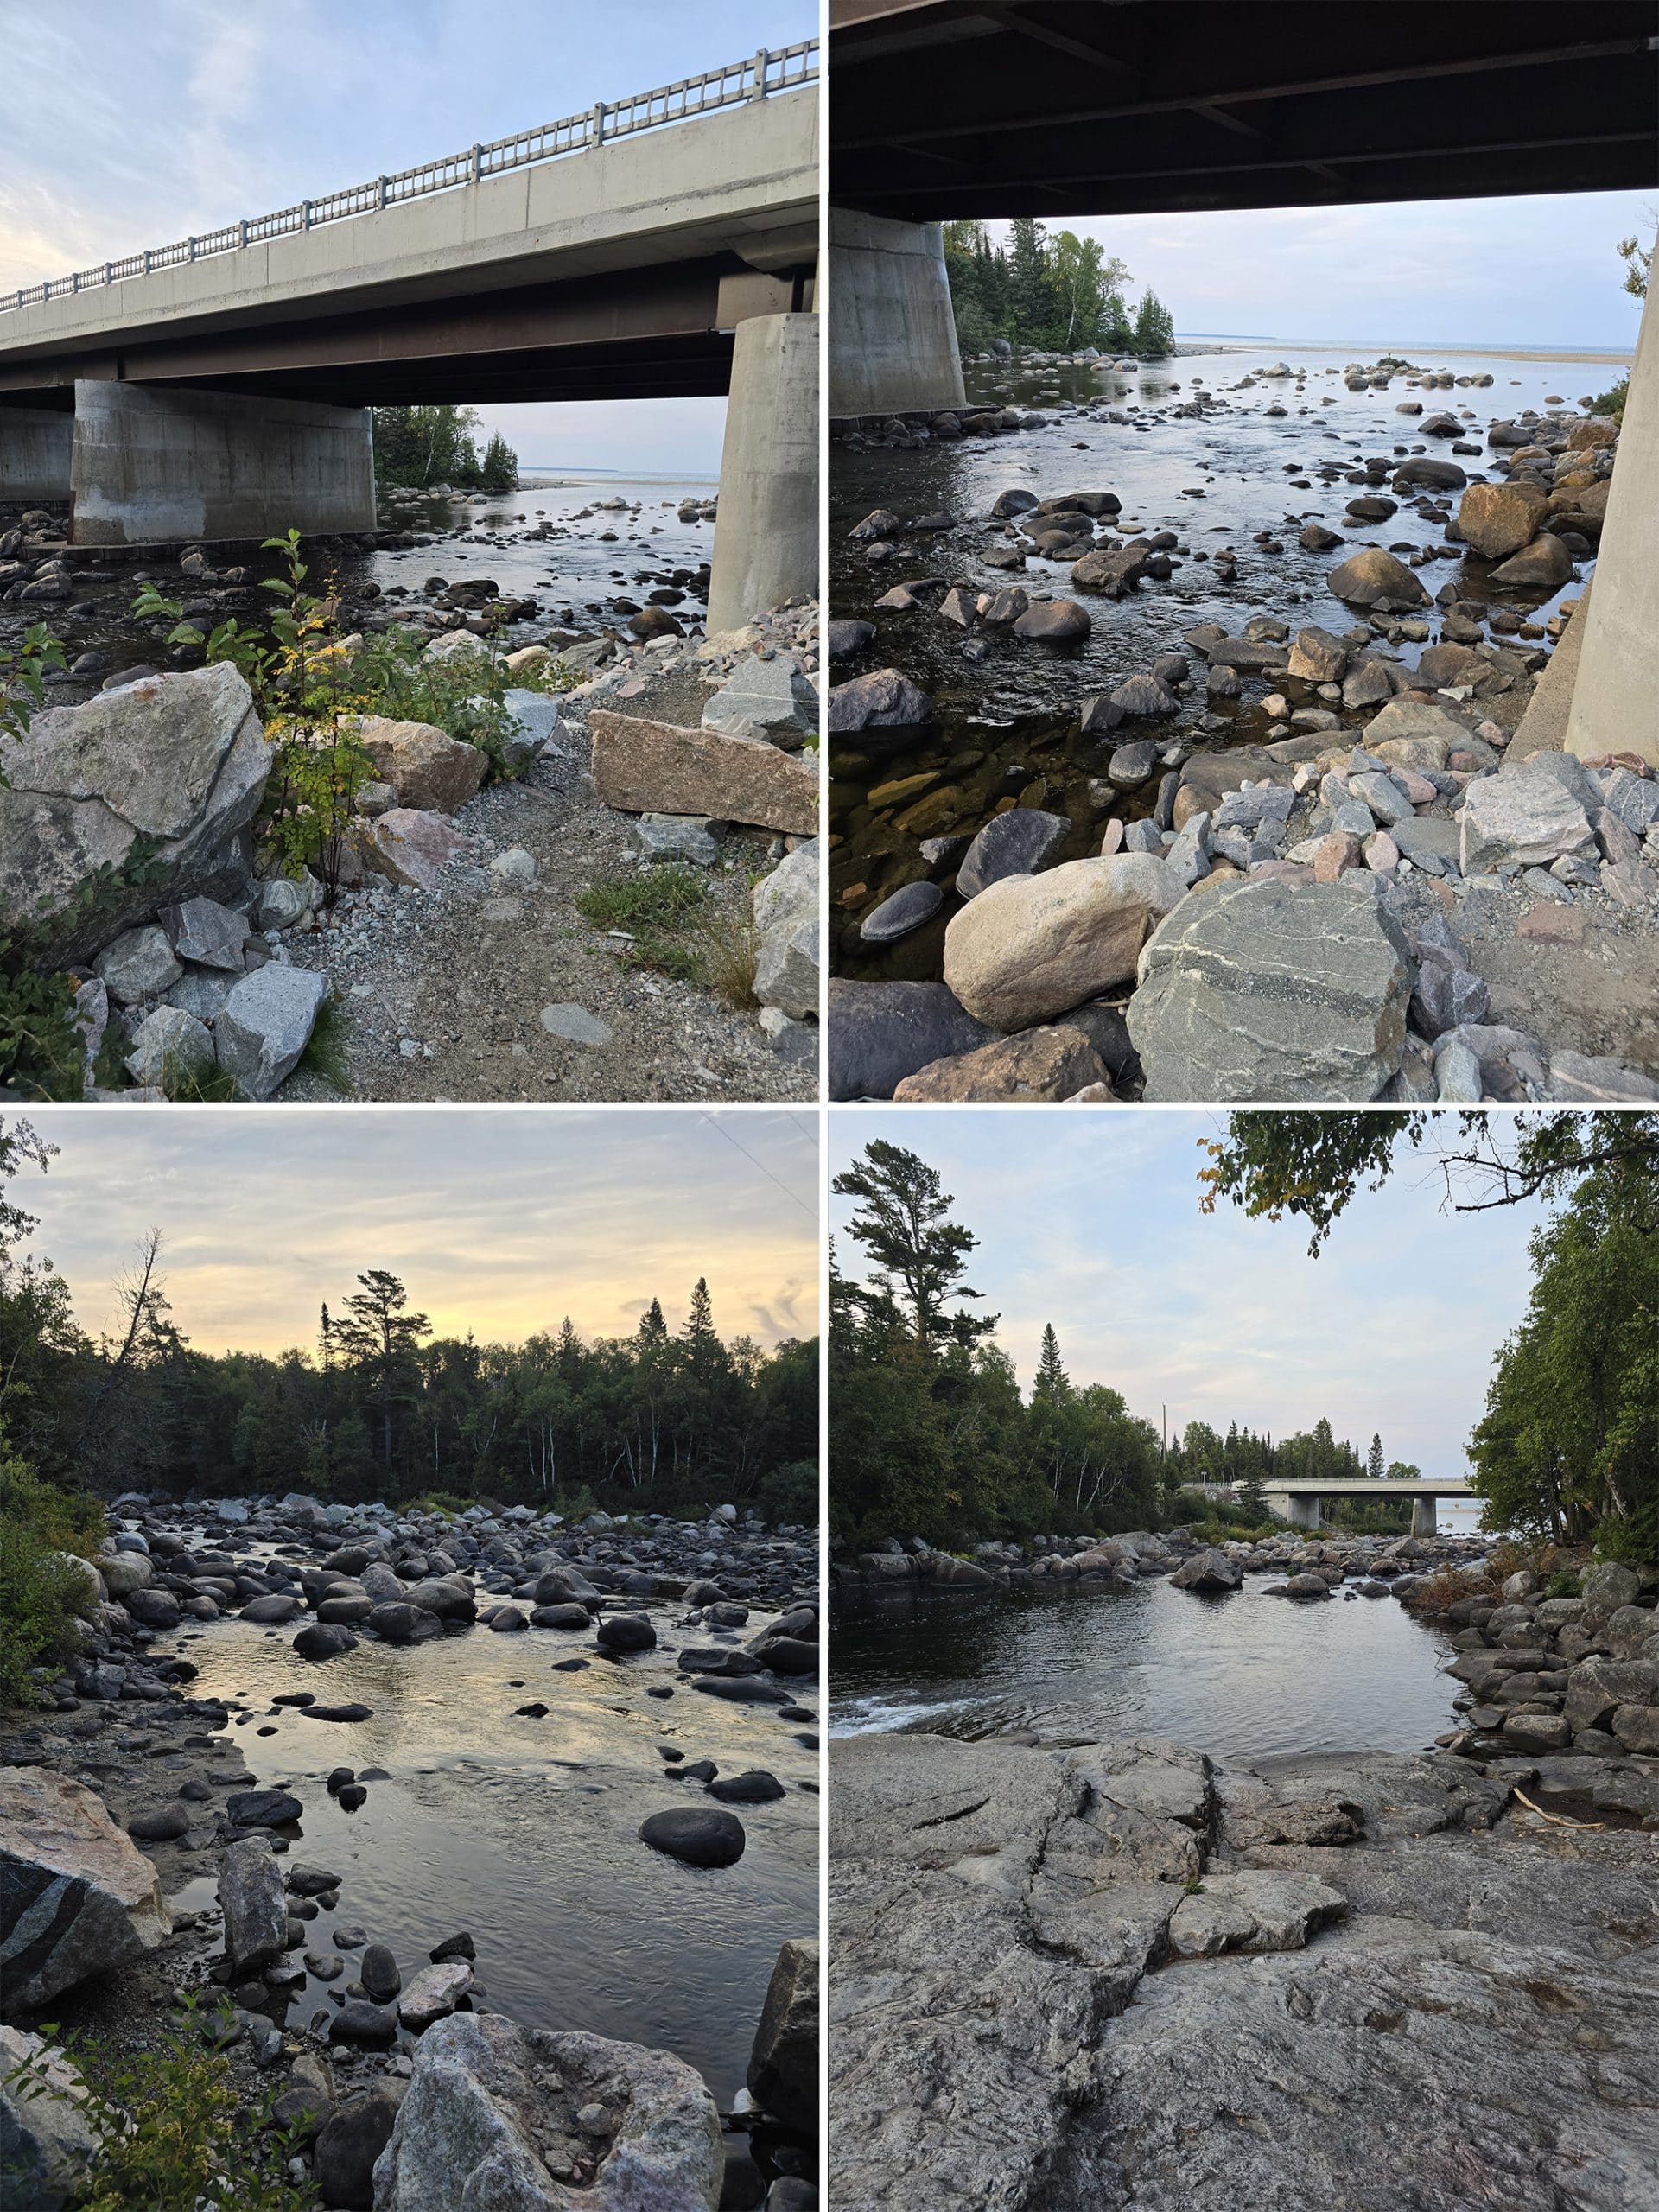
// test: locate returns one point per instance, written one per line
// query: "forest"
(1055, 292)
(415, 448)
(932, 1435)
(382, 1406)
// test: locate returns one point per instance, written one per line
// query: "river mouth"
(592, 557)
(1005, 726)
(1242, 1676)
(524, 1831)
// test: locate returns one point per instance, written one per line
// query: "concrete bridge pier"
(1422, 1516)
(34, 449)
(1302, 1512)
(154, 465)
(1613, 708)
(892, 336)
(766, 534)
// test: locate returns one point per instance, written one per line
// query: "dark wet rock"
(507, 1620)
(1014, 843)
(254, 1904)
(625, 1633)
(566, 1615)
(1316, 538)
(350, 1795)
(460, 1946)
(695, 1836)
(882, 1032)
(908, 908)
(756, 1787)
(350, 2142)
(1211, 1570)
(1054, 622)
(783, 2071)
(1113, 571)
(360, 2022)
(166, 1825)
(742, 1689)
(271, 1612)
(377, 1971)
(1145, 695)
(404, 1624)
(844, 637)
(353, 1711)
(324, 1640)
(262, 1808)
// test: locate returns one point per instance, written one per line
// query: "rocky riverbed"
(507, 1857)
(452, 948)
(1062, 712)
(1074, 1972)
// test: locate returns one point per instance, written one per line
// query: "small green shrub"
(1612, 402)
(43, 1591)
(173, 2132)
(1562, 1583)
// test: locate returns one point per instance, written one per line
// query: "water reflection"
(524, 1831)
(1242, 1676)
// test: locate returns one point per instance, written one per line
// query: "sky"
(133, 126)
(1528, 272)
(497, 1221)
(1092, 1221)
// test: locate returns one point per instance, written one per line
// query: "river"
(1005, 726)
(1242, 1676)
(524, 1831)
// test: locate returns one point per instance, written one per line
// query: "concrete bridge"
(1298, 1501)
(1061, 108)
(665, 245)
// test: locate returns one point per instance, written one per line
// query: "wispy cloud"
(499, 1221)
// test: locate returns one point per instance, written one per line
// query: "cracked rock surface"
(1087, 1977)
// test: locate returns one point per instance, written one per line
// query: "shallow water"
(1017, 708)
(1242, 1676)
(524, 1831)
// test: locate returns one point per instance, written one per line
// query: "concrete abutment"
(154, 465)
(766, 535)
(892, 336)
(35, 451)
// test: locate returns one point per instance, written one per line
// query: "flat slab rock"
(647, 767)
(1377, 1993)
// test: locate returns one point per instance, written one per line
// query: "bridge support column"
(1612, 693)
(1423, 1523)
(1304, 1512)
(766, 533)
(35, 447)
(153, 465)
(893, 337)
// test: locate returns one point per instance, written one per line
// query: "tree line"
(415, 448)
(932, 1435)
(383, 1406)
(1053, 292)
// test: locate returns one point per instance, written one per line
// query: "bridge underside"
(1055, 109)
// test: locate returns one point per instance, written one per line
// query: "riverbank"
(497, 914)
(527, 1831)
(1075, 1970)
(1332, 758)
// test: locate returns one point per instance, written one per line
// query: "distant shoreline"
(1187, 345)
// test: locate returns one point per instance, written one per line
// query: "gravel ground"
(445, 993)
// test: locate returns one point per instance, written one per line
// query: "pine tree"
(1053, 1382)
(1374, 1460)
(379, 1337)
(921, 1256)
(498, 472)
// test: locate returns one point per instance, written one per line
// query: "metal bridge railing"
(779, 70)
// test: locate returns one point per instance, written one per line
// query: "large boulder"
(882, 700)
(425, 766)
(410, 845)
(1524, 818)
(783, 2074)
(1014, 843)
(1033, 946)
(499, 2115)
(1500, 519)
(1264, 989)
(46, 2142)
(350, 2145)
(882, 1032)
(180, 761)
(253, 1903)
(1209, 1570)
(1539, 566)
(1374, 578)
(788, 957)
(768, 699)
(76, 1896)
(265, 1025)
(658, 768)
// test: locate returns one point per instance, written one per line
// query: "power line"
(811, 1212)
